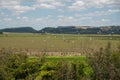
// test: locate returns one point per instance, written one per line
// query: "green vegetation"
(103, 64)
(20, 66)
(56, 57)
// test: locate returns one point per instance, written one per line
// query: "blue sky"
(52, 13)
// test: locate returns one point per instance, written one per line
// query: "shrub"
(10, 62)
(1, 33)
(47, 72)
(105, 64)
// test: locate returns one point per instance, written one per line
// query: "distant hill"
(19, 30)
(110, 29)
(68, 30)
(82, 30)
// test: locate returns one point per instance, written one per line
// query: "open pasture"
(55, 43)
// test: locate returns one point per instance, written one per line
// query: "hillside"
(82, 30)
(68, 30)
(19, 30)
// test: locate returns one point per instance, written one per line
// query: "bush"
(72, 70)
(47, 72)
(10, 62)
(1, 33)
(105, 64)
(102, 65)
(14, 65)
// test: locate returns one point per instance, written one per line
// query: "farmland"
(30, 56)
(57, 44)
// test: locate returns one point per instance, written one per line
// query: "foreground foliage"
(105, 64)
(102, 65)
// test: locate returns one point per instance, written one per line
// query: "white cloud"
(108, 3)
(7, 19)
(61, 10)
(71, 20)
(78, 5)
(45, 0)
(38, 19)
(99, 13)
(24, 17)
(14, 6)
(18, 17)
(105, 20)
(97, 3)
(48, 4)
(21, 9)
(113, 10)
(100, 22)
(85, 4)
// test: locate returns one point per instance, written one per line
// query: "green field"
(54, 43)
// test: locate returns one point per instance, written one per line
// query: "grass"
(57, 42)
(65, 58)
(58, 58)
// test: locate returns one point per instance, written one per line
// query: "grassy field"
(35, 43)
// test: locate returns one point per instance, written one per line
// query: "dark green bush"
(47, 72)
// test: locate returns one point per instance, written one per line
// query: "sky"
(52, 13)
